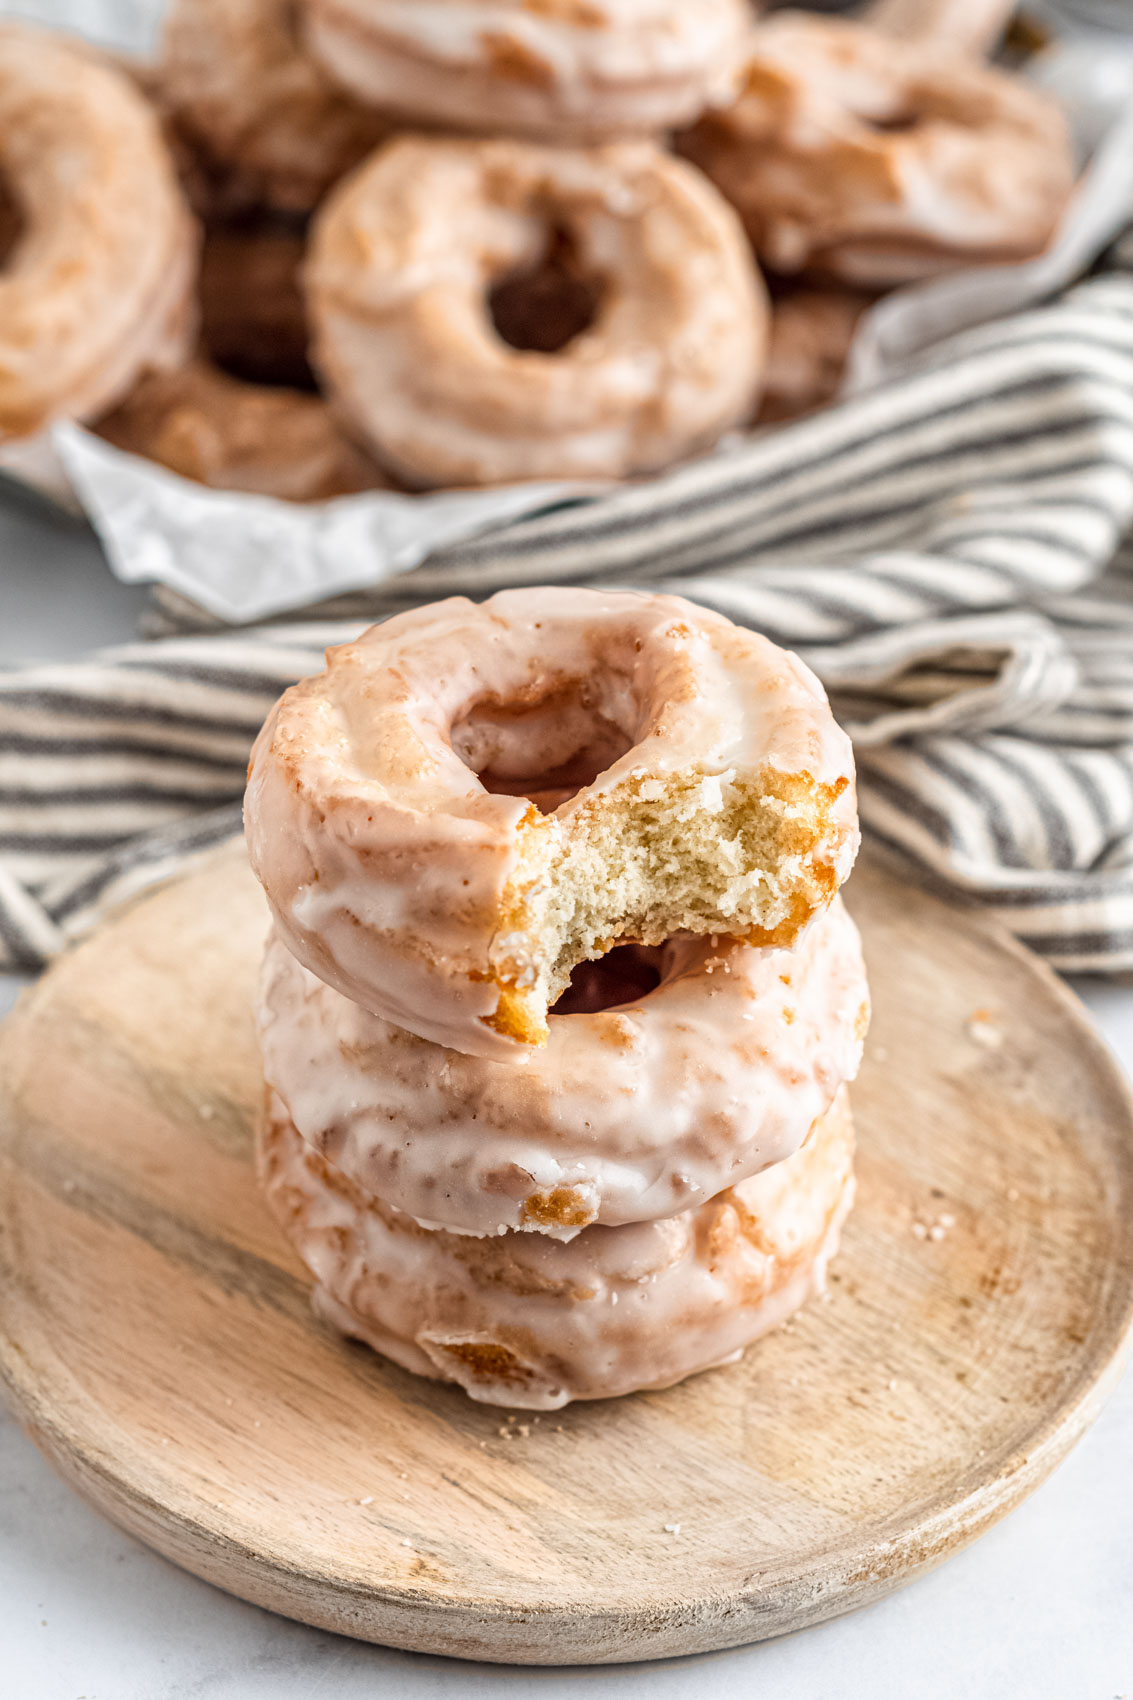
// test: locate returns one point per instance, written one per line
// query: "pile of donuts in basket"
(333, 245)
(561, 1001)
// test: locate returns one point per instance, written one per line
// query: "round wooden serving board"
(155, 1335)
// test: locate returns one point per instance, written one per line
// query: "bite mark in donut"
(655, 859)
(716, 798)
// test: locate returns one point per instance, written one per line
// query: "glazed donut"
(268, 125)
(253, 321)
(631, 1113)
(811, 333)
(963, 26)
(404, 256)
(558, 70)
(527, 1321)
(97, 286)
(235, 436)
(881, 161)
(707, 790)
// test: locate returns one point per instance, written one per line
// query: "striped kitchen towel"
(946, 551)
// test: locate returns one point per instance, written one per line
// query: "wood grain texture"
(156, 1340)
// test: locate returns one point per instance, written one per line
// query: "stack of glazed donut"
(560, 1002)
(468, 242)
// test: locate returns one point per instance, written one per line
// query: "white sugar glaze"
(99, 286)
(629, 1114)
(529, 1322)
(881, 161)
(563, 70)
(404, 257)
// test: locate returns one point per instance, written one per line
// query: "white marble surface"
(1040, 1609)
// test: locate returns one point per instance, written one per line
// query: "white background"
(1040, 1609)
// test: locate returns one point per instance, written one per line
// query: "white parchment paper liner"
(244, 557)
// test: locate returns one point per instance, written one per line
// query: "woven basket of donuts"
(343, 246)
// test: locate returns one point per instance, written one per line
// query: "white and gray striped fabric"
(945, 551)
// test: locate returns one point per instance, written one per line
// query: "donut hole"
(541, 309)
(651, 856)
(545, 750)
(625, 974)
(12, 221)
(640, 855)
(253, 318)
